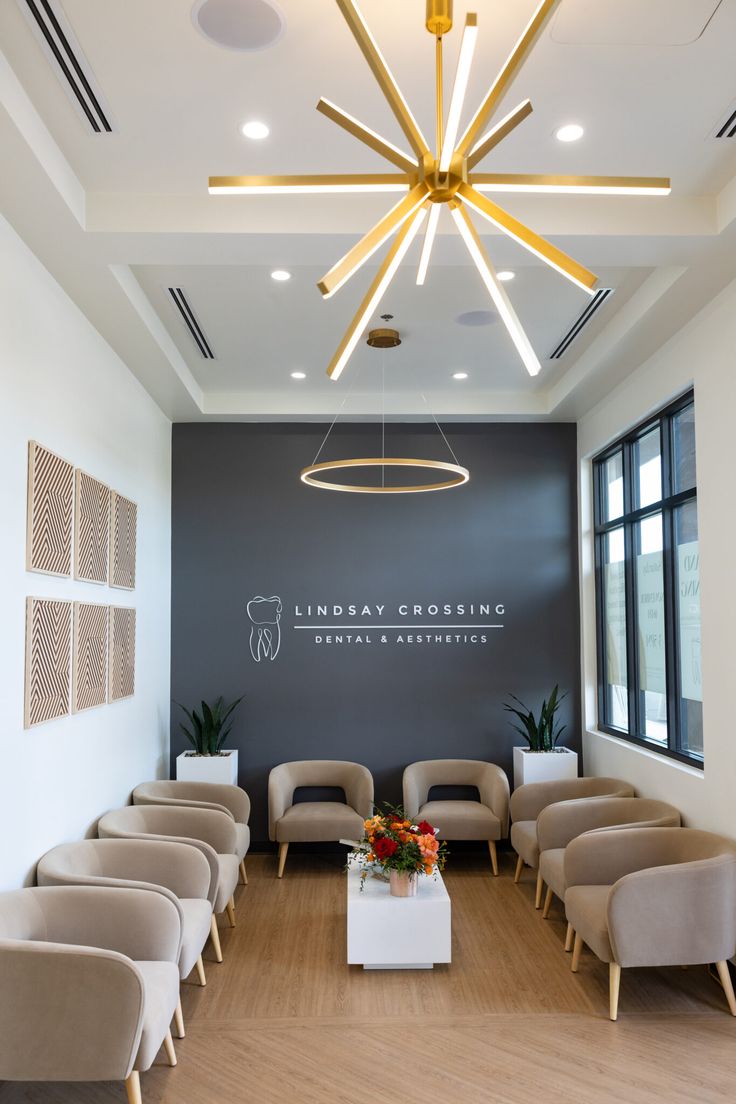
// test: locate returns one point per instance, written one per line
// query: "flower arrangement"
(399, 847)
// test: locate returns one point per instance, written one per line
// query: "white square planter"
(544, 766)
(208, 768)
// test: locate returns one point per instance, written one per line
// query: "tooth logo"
(265, 632)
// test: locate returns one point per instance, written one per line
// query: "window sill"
(638, 749)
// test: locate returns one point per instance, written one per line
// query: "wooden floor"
(284, 1020)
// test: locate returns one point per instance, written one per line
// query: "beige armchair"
(89, 983)
(204, 795)
(486, 819)
(559, 824)
(317, 821)
(178, 871)
(527, 803)
(653, 897)
(210, 831)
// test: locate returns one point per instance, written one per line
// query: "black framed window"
(648, 585)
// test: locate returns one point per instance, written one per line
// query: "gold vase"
(402, 883)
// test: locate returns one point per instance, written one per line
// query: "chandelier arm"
(429, 236)
(439, 93)
(495, 288)
(383, 76)
(328, 184)
(570, 185)
(526, 237)
(375, 292)
(459, 88)
(348, 265)
(510, 68)
(500, 131)
(369, 137)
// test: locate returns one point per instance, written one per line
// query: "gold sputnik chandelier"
(446, 175)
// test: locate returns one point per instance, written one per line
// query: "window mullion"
(632, 649)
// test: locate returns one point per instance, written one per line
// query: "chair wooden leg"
(200, 971)
(179, 1021)
(494, 857)
(230, 907)
(243, 875)
(169, 1048)
(725, 976)
(133, 1088)
(576, 950)
(215, 938)
(283, 848)
(519, 868)
(569, 937)
(614, 984)
(538, 895)
(547, 903)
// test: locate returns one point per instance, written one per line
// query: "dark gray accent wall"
(245, 526)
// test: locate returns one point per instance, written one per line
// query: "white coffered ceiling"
(120, 217)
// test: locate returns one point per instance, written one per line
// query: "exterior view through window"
(648, 585)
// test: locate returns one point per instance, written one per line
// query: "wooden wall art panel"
(48, 660)
(121, 680)
(90, 657)
(91, 529)
(123, 526)
(50, 512)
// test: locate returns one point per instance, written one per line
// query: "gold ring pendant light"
(428, 179)
(313, 474)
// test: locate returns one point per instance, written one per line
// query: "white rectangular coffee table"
(397, 933)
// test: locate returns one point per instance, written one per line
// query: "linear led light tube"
(429, 235)
(459, 88)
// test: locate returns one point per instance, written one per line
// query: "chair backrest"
(211, 795)
(488, 778)
(355, 779)
(185, 822)
(563, 821)
(176, 867)
(528, 800)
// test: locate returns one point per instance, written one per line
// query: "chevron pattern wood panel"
(91, 529)
(89, 667)
(48, 659)
(123, 526)
(50, 512)
(121, 681)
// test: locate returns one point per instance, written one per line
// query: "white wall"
(703, 353)
(62, 385)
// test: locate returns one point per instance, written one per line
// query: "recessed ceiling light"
(298, 375)
(280, 274)
(506, 275)
(571, 132)
(459, 375)
(255, 130)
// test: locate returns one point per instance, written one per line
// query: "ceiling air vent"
(578, 326)
(59, 43)
(187, 315)
(726, 128)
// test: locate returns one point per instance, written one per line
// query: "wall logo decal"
(265, 632)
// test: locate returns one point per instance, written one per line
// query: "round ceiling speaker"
(239, 24)
(477, 318)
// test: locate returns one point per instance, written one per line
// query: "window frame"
(628, 521)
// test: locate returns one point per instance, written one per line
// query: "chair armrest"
(68, 1013)
(415, 788)
(359, 791)
(680, 914)
(493, 788)
(602, 857)
(186, 802)
(135, 922)
(281, 788)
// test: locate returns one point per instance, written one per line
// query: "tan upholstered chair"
(653, 897)
(317, 821)
(528, 801)
(89, 983)
(204, 795)
(559, 824)
(211, 831)
(486, 819)
(178, 871)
